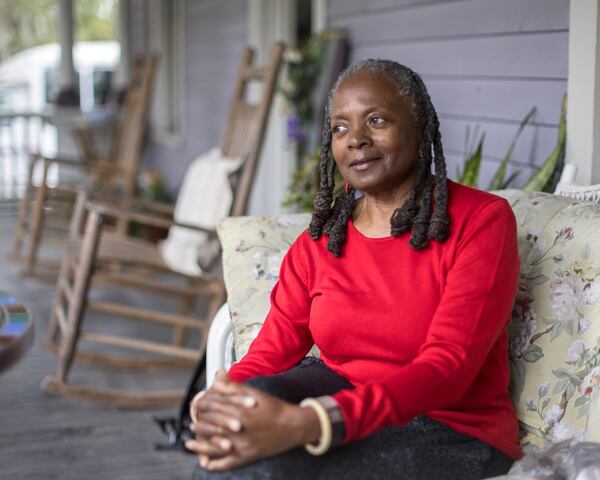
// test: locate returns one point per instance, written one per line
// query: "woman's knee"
(268, 384)
(294, 464)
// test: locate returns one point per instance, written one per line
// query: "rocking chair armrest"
(71, 162)
(129, 201)
(98, 164)
(142, 217)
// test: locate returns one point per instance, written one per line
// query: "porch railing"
(21, 134)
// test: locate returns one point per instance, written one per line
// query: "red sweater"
(416, 332)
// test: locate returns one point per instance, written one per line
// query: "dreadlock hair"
(330, 216)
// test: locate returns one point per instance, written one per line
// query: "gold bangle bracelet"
(197, 397)
(326, 431)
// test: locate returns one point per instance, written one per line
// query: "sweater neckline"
(357, 233)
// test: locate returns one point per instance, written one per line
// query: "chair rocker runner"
(87, 254)
(116, 171)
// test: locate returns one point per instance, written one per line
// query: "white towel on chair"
(205, 198)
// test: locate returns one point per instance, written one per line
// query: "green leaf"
(561, 373)
(569, 326)
(548, 321)
(540, 180)
(584, 410)
(511, 178)
(569, 391)
(556, 330)
(533, 353)
(560, 385)
(582, 401)
(498, 180)
(540, 279)
(535, 271)
(559, 273)
(470, 174)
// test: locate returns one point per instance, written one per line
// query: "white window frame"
(166, 24)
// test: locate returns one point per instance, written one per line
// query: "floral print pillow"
(555, 331)
(253, 249)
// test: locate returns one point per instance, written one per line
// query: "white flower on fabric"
(583, 326)
(552, 415)
(589, 382)
(543, 390)
(561, 431)
(575, 352)
(260, 254)
(591, 293)
(566, 294)
(273, 264)
(530, 405)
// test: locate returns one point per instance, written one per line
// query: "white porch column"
(66, 81)
(318, 15)
(122, 74)
(270, 21)
(583, 109)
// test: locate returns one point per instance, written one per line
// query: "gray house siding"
(485, 62)
(215, 36)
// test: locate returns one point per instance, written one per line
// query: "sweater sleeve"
(474, 309)
(284, 338)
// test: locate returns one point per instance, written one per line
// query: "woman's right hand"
(214, 415)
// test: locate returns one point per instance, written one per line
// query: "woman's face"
(375, 138)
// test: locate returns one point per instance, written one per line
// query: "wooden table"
(16, 330)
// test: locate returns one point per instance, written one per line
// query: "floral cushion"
(253, 248)
(555, 331)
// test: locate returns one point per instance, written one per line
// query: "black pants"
(423, 449)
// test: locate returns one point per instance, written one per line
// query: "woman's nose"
(358, 139)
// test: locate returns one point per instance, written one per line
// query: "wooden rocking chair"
(86, 255)
(115, 172)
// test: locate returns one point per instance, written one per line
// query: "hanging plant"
(304, 66)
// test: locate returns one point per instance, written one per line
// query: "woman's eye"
(376, 120)
(338, 128)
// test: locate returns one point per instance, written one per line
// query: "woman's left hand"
(272, 426)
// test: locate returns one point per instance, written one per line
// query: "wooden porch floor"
(47, 437)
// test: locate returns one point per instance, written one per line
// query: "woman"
(407, 292)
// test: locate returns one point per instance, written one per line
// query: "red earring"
(347, 187)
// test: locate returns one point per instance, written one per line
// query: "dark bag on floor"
(177, 429)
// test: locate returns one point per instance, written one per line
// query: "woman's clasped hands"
(236, 425)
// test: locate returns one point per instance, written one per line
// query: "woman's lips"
(363, 163)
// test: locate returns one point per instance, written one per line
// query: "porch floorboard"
(48, 437)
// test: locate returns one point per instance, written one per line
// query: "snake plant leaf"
(511, 178)
(470, 174)
(498, 180)
(543, 179)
